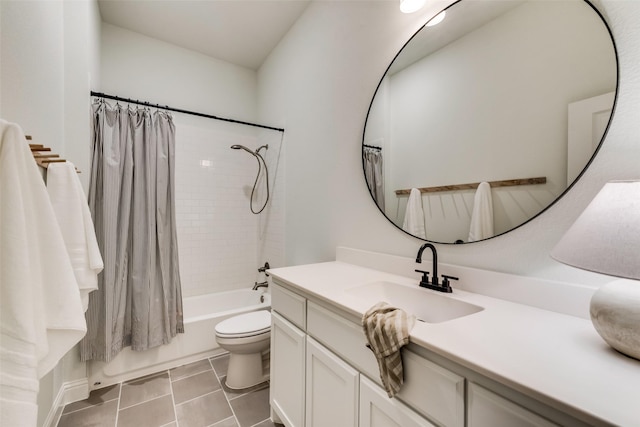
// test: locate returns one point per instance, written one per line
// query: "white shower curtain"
(372, 160)
(131, 198)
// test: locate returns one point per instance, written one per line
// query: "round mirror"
(516, 94)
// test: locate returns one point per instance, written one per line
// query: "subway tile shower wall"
(221, 242)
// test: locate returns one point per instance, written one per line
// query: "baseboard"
(69, 392)
(75, 391)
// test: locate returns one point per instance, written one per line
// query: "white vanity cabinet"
(510, 364)
(319, 369)
(323, 375)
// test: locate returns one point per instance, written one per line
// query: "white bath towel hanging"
(72, 212)
(482, 215)
(41, 316)
(414, 216)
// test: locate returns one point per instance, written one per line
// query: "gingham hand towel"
(387, 330)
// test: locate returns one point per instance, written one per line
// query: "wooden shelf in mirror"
(474, 185)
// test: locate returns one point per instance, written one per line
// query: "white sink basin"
(428, 306)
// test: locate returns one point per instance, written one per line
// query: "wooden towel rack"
(43, 155)
(471, 186)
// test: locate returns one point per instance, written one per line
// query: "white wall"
(318, 84)
(221, 243)
(33, 69)
(81, 75)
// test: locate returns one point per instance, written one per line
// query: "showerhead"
(242, 147)
(261, 163)
(255, 153)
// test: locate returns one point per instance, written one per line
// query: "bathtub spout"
(260, 285)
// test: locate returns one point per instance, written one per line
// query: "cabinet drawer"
(343, 337)
(289, 305)
(488, 409)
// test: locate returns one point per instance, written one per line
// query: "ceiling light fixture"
(437, 19)
(410, 6)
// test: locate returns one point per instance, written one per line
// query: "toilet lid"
(247, 324)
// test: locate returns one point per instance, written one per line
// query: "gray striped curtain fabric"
(374, 174)
(132, 201)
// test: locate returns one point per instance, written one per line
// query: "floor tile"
(103, 415)
(204, 411)
(95, 398)
(199, 398)
(232, 394)
(229, 422)
(143, 389)
(190, 369)
(194, 386)
(153, 413)
(269, 423)
(251, 408)
(220, 364)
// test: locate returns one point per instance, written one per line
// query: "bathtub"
(201, 315)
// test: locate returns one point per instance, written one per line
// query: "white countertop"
(555, 358)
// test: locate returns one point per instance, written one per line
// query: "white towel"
(41, 317)
(482, 215)
(72, 211)
(414, 216)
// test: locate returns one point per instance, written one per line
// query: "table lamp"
(606, 239)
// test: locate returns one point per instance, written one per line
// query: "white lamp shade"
(606, 237)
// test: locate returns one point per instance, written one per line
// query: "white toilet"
(246, 337)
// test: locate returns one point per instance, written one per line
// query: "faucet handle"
(445, 280)
(264, 269)
(425, 276)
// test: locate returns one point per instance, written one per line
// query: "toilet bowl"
(246, 337)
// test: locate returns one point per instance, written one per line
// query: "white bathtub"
(201, 315)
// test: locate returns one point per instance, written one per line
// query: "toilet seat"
(245, 325)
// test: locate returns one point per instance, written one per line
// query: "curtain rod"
(178, 110)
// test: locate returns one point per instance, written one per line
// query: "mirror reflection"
(515, 94)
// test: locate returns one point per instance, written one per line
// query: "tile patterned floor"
(188, 396)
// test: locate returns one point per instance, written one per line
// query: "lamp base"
(615, 313)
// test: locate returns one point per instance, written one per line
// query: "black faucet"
(435, 285)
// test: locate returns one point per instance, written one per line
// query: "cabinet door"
(332, 389)
(432, 390)
(378, 410)
(287, 391)
(487, 409)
